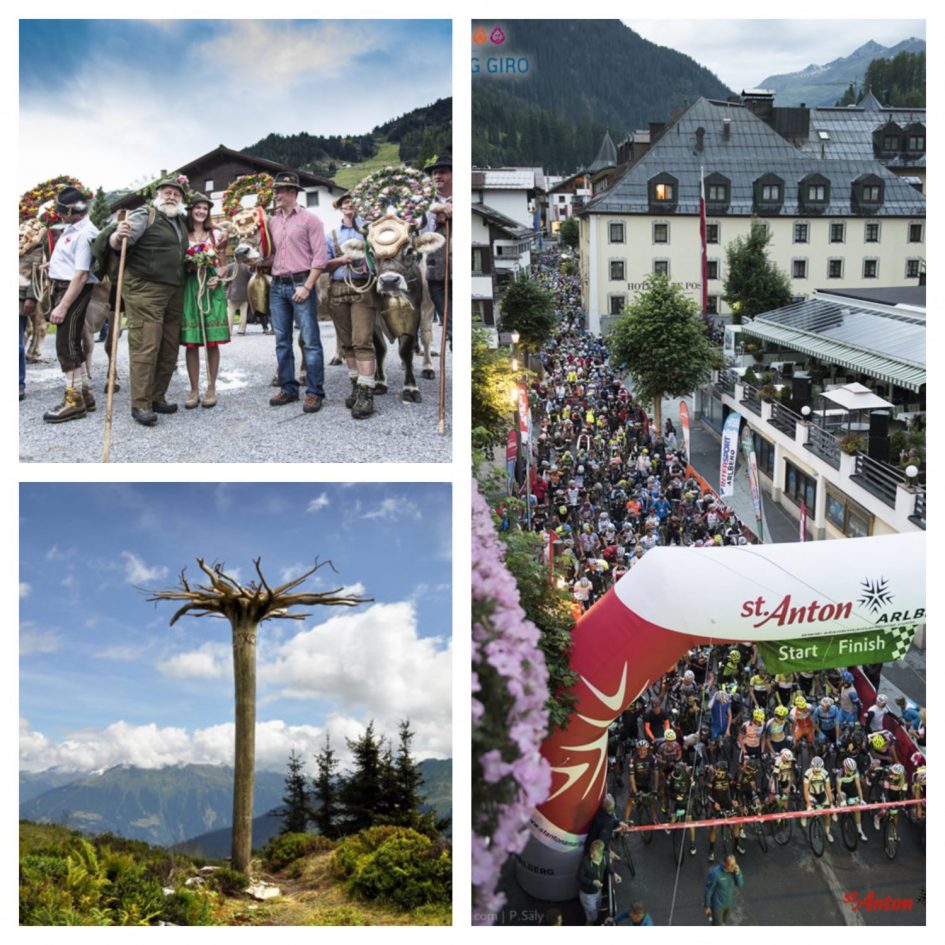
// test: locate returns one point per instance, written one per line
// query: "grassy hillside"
(386, 154)
(383, 876)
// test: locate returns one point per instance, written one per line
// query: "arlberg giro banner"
(729, 454)
(804, 604)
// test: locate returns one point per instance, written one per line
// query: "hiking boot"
(353, 396)
(71, 408)
(282, 398)
(364, 404)
(313, 403)
(335, 361)
(147, 418)
(88, 398)
(162, 406)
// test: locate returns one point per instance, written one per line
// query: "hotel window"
(663, 192)
(311, 198)
(912, 268)
(872, 193)
(477, 256)
(764, 454)
(843, 513)
(661, 267)
(837, 232)
(799, 269)
(816, 193)
(617, 303)
(891, 143)
(712, 269)
(871, 234)
(660, 232)
(801, 232)
(615, 233)
(712, 305)
(712, 232)
(771, 193)
(617, 269)
(208, 186)
(798, 485)
(834, 268)
(915, 143)
(759, 227)
(915, 232)
(717, 193)
(870, 268)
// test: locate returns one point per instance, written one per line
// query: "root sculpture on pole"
(246, 606)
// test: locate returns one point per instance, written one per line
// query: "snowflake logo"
(875, 594)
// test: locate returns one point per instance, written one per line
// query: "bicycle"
(817, 832)
(849, 830)
(890, 819)
(680, 815)
(622, 851)
(647, 806)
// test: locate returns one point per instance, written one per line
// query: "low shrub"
(287, 847)
(186, 907)
(227, 881)
(352, 850)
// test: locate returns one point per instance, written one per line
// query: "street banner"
(524, 412)
(748, 451)
(862, 599)
(874, 646)
(684, 423)
(511, 453)
(804, 524)
(729, 454)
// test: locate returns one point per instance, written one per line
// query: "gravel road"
(242, 427)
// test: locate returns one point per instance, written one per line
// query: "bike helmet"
(881, 700)
(734, 656)
(721, 765)
(723, 696)
(846, 676)
(680, 767)
(787, 754)
(670, 735)
(826, 702)
(689, 675)
(642, 743)
(849, 765)
(897, 769)
(878, 742)
(781, 711)
(758, 715)
(817, 762)
(920, 775)
(800, 702)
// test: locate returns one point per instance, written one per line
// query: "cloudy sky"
(113, 101)
(743, 52)
(104, 679)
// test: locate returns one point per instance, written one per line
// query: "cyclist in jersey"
(849, 702)
(895, 788)
(720, 794)
(777, 731)
(760, 690)
(720, 713)
(817, 791)
(733, 666)
(783, 688)
(679, 789)
(749, 738)
(918, 791)
(827, 721)
(850, 791)
(783, 774)
(883, 749)
(668, 752)
(643, 776)
(803, 723)
(746, 795)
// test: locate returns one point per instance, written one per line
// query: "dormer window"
(814, 193)
(887, 140)
(768, 194)
(914, 139)
(663, 193)
(718, 190)
(868, 193)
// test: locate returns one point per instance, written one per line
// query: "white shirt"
(73, 251)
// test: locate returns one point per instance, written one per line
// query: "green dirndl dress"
(208, 308)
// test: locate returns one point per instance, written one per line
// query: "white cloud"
(33, 641)
(354, 590)
(148, 746)
(137, 572)
(54, 554)
(209, 661)
(319, 503)
(392, 510)
(121, 652)
(24, 589)
(370, 664)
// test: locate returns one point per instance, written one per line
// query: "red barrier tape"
(759, 818)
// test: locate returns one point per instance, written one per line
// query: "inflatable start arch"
(807, 605)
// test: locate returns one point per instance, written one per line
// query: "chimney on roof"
(726, 128)
(700, 139)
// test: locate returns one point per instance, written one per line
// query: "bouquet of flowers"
(33, 199)
(409, 191)
(201, 256)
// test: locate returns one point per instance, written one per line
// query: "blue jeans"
(286, 313)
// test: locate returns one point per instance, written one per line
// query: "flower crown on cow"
(42, 197)
(260, 185)
(409, 191)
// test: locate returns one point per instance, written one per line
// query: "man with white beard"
(153, 296)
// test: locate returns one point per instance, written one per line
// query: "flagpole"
(702, 239)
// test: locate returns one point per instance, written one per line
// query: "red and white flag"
(803, 521)
(705, 251)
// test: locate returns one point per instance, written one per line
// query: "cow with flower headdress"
(392, 205)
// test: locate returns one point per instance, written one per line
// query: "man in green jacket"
(720, 889)
(153, 296)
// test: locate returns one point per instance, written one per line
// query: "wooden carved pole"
(246, 607)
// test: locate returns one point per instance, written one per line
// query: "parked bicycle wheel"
(760, 836)
(622, 847)
(848, 831)
(646, 817)
(817, 836)
(890, 837)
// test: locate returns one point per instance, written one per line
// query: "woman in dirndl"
(205, 322)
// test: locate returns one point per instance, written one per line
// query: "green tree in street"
(754, 283)
(492, 379)
(569, 233)
(528, 308)
(660, 341)
(98, 212)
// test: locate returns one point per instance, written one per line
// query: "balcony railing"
(918, 514)
(726, 382)
(823, 444)
(784, 419)
(750, 399)
(879, 479)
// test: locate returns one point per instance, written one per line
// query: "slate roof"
(606, 155)
(851, 132)
(512, 227)
(751, 150)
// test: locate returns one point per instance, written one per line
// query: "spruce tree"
(359, 792)
(327, 814)
(408, 780)
(297, 809)
(98, 212)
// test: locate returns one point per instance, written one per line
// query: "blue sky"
(129, 98)
(104, 679)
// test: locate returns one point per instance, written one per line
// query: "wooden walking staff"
(116, 332)
(441, 421)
